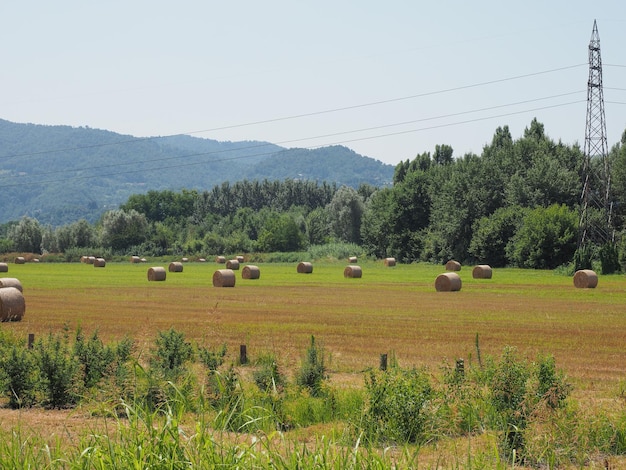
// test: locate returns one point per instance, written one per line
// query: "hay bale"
(220, 259)
(232, 264)
(35, 260)
(175, 267)
(239, 258)
(201, 260)
(585, 279)
(83, 259)
(4, 268)
(184, 260)
(12, 304)
(250, 271)
(352, 259)
(20, 260)
(448, 282)
(144, 260)
(305, 267)
(99, 263)
(453, 265)
(482, 271)
(224, 278)
(135, 259)
(353, 272)
(390, 262)
(11, 282)
(156, 273)
(91, 260)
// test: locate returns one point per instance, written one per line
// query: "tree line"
(516, 204)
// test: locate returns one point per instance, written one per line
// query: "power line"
(273, 152)
(473, 111)
(297, 116)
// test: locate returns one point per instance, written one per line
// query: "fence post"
(31, 340)
(383, 362)
(243, 354)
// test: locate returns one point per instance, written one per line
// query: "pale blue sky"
(149, 68)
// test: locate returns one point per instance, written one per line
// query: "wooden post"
(243, 355)
(31, 340)
(383, 362)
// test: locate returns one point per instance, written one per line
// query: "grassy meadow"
(390, 310)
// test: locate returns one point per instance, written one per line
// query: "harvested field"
(389, 310)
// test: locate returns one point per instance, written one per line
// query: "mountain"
(59, 174)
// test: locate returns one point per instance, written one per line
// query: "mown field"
(389, 310)
(394, 311)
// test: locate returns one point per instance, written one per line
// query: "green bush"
(94, 357)
(312, 371)
(19, 374)
(60, 372)
(397, 406)
(171, 354)
(267, 376)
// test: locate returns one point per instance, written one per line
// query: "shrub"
(267, 376)
(59, 371)
(171, 354)
(397, 406)
(212, 359)
(20, 380)
(312, 370)
(94, 357)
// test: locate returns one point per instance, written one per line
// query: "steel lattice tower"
(595, 214)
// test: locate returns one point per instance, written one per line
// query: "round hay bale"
(4, 268)
(585, 279)
(91, 260)
(12, 304)
(239, 258)
(453, 265)
(35, 260)
(11, 282)
(224, 278)
(201, 260)
(482, 271)
(156, 273)
(83, 259)
(250, 271)
(135, 259)
(353, 272)
(144, 260)
(448, 282)
(20, 260)
(390, 262)
(220, 259)
(305, 267)
(232, 264)
(352, 259)
(184, 260)
(99, 263)
(175, 267)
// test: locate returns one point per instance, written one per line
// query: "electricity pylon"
(595, 226)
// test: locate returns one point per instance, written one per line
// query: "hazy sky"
(388, 79)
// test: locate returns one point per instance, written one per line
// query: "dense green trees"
(514, 204)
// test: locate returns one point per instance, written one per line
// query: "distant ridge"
(59, 174)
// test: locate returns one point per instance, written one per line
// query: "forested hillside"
(60, 174)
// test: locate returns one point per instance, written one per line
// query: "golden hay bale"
(390, 262)
(144, 260)
(11, 282)
(156, 273)
(250, 272)
(35, 260)
(83, 259)
(91, 260)
(239, 258)
(232, 264)
(352, 259)
(220, 259)
(20, 260)
(184, 260)
(99, 263)
(353, 272)
(224, 278)
(453, 265)
(482, 271)
(175, 267)
(585, 278)
(4, 268)
(448, 282)
(201, 260)
(305, 267)
(135, 259)
(12, 304)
